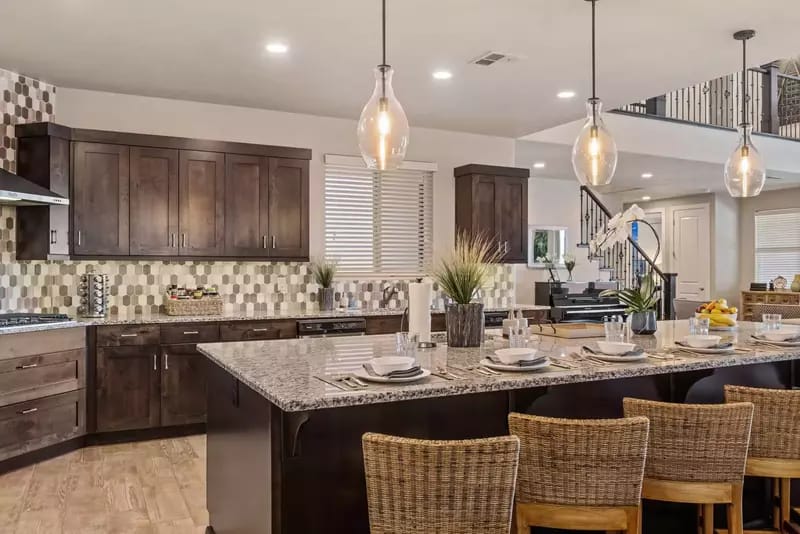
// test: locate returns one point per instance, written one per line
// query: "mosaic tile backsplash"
(138, 286)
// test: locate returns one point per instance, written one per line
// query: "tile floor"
(149, 487)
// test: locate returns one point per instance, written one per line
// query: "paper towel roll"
(419, 309)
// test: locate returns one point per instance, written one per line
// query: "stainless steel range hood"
(17, 191)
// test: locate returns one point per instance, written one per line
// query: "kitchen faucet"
(388, 292)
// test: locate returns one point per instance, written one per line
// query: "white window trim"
(358, 162)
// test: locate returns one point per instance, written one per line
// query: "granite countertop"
(263, 315)
(284, 371)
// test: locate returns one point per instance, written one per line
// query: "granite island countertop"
(285, 371)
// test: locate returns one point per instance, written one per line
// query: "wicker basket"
(203, 306)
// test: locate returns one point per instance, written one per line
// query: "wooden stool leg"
(700, 519)
(735, 519)
(634, 521)
(786, 504)
(708, 518)
(522, 524)
(777, 513)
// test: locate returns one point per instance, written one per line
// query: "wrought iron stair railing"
(625, 262)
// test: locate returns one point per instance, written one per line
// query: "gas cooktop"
(14, 320)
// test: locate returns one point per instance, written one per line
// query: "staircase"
(625, 262)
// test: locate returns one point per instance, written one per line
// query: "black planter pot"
(464, 324)
(644, 323)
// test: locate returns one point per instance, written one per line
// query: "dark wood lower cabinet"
(128, 384)
(183, 385)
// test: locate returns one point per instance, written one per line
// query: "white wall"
(110, 111)
(554, 202)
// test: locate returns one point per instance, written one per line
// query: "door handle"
(274, 242)
(505, 247)
(264, 241)
(172, 240)
(27, 411)
(28, 366)
(166, 361)
(183, 240)
(53, 237)
(79, 238)
(155, 362)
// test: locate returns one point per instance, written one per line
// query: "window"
(378, 223)
(777, 244)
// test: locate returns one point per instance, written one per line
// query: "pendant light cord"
(744, 86)
(383, 66)
(594, 67)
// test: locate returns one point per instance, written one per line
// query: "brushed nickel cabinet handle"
(79, 238)
(53, 237)
(506, 247)
(264, 241)
(28, 366)
(27, 411)
(260, 330)
(191, 333)
(172, 240)
(128, 335)
(274, 242)
(155, 362)
(183, 240)
(166, 361)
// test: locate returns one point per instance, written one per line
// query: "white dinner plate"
(515, 368)
(617, 358)
(708, 351)
(777, 343)
(363, 375)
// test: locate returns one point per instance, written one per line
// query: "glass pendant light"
(594, 154)
(745, 172)
(383, 131)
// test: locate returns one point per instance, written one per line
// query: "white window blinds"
(378, 222)
(777, 244)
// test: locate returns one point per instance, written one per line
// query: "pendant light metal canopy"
(745, 172)
(594, 154)
(383, 131)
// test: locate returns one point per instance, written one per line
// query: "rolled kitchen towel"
(419, 309)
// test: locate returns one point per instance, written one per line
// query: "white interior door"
(692, 251)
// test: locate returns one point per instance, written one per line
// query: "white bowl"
(387, 364)
(702, 342)
(781, 334)
(512, 356)
(615, 348)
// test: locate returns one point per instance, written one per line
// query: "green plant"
(323, 272)
(466, 268)
(637, 300)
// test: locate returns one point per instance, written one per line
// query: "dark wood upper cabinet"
(493, 201)
(154, 201)
(246, 205)
(202, 203)
(100, 200)
(288, 208)
(138, 196)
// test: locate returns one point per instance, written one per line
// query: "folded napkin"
(790, 340)
(719, 346)
(636, 351)
(405, 373)
(521, 363)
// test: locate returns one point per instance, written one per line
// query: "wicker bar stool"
(774, 442)
(579, 474)
(696, 454)
(440, 487)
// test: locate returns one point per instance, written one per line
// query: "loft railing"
(625, 262)
(773, 104)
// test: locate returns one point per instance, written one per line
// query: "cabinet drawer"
(42, 342)
(31, 425)
(438, 322)
(122, 335)
(254, 330)
(33, 377)
(189, 333)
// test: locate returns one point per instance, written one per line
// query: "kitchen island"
(284, 446)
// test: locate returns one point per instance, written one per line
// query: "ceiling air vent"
(490, 58)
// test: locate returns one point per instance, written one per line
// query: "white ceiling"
(212, 50)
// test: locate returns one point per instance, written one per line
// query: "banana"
(719, 319)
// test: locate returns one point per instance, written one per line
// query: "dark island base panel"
(276, 472)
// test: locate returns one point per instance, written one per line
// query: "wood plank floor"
(149, 487)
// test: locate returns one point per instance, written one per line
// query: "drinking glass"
(772, 321)
(615, 331)
(407, 344)
(699, 326)
(518, 338)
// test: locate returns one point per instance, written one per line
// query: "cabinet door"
(246, 206)
(288, 208)
(127, 387)
(154, 201)
(512, 217)
(100, 203)
(183, 385)
(202, 203)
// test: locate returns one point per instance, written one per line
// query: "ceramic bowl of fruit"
(718, 313)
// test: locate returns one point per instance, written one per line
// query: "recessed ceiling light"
(539, 165)
(645, 198)
(442, 74)
(566, 94)
(277, 48)
(647, 175)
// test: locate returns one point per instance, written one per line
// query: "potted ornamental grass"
(460, 275)
(640, 305)
(323, 272)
